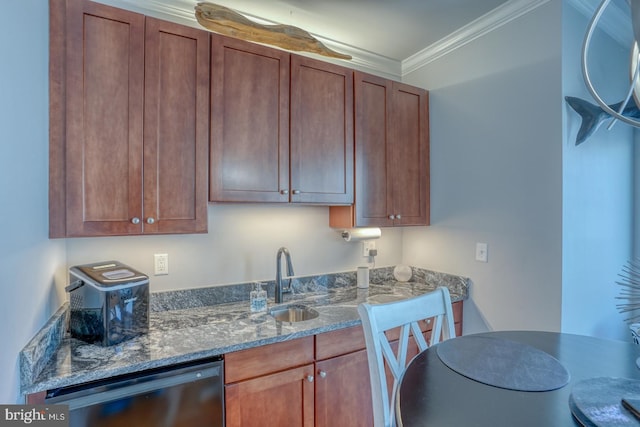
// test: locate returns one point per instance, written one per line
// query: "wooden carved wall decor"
(230, 23)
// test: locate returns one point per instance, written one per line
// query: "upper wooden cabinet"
(392, 156)
(129, 103)
(176, 128)
(249, 122)
(408, 153)
(321, 132)
(281, 126)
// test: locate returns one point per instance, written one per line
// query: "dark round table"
(432, 394)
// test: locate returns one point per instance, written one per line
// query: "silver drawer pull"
(135, 220)
(150, 220)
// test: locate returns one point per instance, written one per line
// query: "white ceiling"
(388, 36)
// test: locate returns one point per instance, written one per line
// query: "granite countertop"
(195, 324)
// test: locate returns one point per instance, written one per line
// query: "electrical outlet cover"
(161, 264)
(368, 245)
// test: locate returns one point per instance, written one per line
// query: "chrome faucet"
(279, 289)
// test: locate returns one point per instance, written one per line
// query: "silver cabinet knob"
(322, 374)
(296, 191)
(150, 220)
(392, 217)
(284, 191)
(135, 220)
(310, 378)
(398, 216)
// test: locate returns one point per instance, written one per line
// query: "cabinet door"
(104, 119)
(391, 155)
(176, 128)
(321, 132)
(249, 122)
(343, 391)
(409, 154)
(373, 202)
(282, 399)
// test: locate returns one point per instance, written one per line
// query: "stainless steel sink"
(293, 313)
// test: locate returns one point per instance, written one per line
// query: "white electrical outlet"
(482, 252)
(161, 264)
(368, 245)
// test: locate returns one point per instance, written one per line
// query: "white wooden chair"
(379, 318)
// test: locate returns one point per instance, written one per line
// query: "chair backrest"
(405, 314)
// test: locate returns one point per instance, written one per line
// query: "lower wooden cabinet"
(343, 391)
(310, 381)
(320, 380)
(281, 399)
(271, 385)
(343, 388)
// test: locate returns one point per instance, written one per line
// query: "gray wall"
(28, 260)
(240, 246)
(558, 218)
(496, 173)
(597, 189)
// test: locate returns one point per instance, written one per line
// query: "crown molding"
(182, 11)
(496, 18)
(361, 59)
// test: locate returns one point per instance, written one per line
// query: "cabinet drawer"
(342, 341)
(254, 362)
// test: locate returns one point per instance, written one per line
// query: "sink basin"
(294, 313)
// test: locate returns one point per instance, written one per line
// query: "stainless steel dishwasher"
(189, 394)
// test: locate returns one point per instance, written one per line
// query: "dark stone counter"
(193, 324)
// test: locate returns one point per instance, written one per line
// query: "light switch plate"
(481, 252)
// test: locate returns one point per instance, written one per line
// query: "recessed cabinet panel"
(343, 391)
(321, 132)
(176, 128)
(410, 155)
(373, 197)
(105, 51)
(249, 122)
(282, 399)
